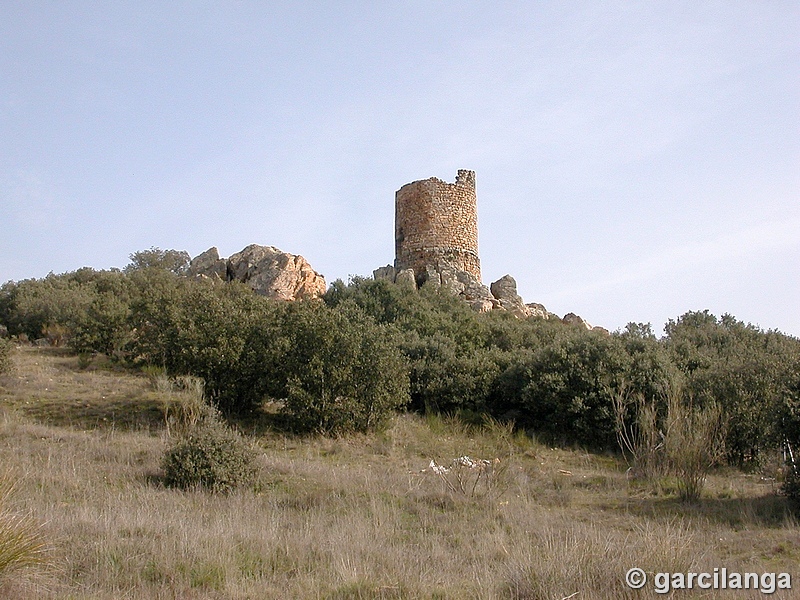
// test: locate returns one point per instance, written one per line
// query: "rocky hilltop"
(436, 244)
(500, 295)
(284, 276)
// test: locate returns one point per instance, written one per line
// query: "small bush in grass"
(5, 356)
(21, 543)
(472, 478)
(791, 484)
(212, 456)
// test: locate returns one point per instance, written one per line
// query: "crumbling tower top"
(437, 222)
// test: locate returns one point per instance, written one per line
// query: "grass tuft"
(22, 544)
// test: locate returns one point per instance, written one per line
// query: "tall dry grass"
(185, 405)
(23, 546)
(694, 444)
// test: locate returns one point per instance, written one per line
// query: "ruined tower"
(437, 222)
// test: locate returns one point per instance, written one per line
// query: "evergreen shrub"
(211, 456)
(5, 356)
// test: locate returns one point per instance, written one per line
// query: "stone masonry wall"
(436, 221)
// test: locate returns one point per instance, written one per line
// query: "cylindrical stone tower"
(437, 222)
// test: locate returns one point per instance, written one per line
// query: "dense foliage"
(5, 356)
(176, 261)
(210, 456)
(370, 347)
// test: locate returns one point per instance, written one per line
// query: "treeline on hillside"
(370, 348)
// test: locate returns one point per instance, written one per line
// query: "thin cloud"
(759, 240)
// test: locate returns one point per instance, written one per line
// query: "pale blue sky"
(634, 160)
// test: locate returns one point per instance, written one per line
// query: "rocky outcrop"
(388, 273)
(209, 265)
(406, 278)
(266, 269)
(275, 274)
(540, 312)
(577, 321)
(573, 319)
(505, 290)
(501, 295)
(460, 283)
(443, 274)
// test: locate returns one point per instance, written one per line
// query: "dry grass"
(354, 517)
(22, 545)
(48, 385)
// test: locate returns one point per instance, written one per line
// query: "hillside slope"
(348, 517)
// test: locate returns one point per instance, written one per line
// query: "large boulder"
(460, 283)
(477, 295)
(209, 265)
(403, 277)
(266, 269)
(275, 274)
(389, 273)
(450, 281)
(406, 278)
(573, 319)
(540, 312)
(505, 290)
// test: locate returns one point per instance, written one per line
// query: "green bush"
(342, 372)
(445, 377)
(791, 484)
(103, 326)
(5, 356)
(33, 305)
(176, 261)
(744, 370)
(564, 389)
(212, 456)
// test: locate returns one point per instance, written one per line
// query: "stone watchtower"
(437, 222)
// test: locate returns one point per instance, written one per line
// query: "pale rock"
(431, 277)
(388, 273)
(505, 291)
(539, 311)
(477, 294)
(276, 274)
(406, 278)
(465, 285)
(459, 283)
(573, 319)
(481, 305)
(266, 269)
(245, 264)
(209, 265)
(448, 275)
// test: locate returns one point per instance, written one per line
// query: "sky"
(634, 160)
